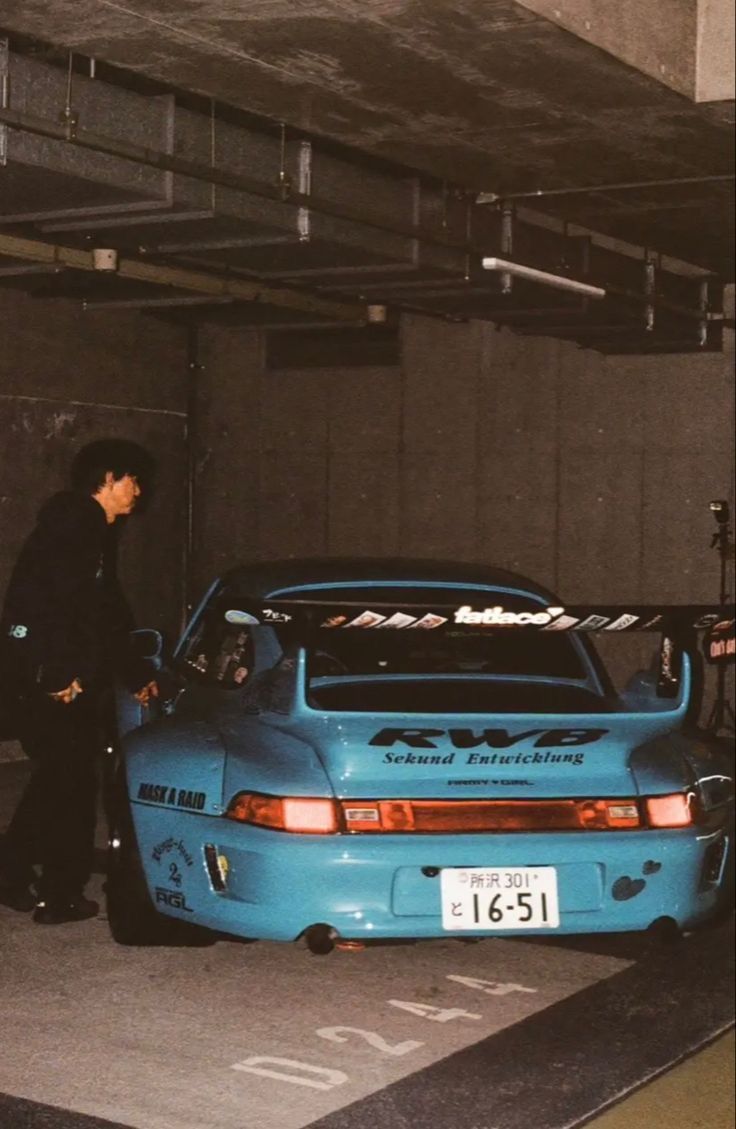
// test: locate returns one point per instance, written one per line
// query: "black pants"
(54, 823)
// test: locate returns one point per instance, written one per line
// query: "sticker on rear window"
(593, 622)
(398, 619)
(366, 619)
(430, 620)
(562, 624)
(623, 621)
(234, 615)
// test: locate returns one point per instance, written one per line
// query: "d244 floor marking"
(315, 1077)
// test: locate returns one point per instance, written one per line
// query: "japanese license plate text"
(491, 898)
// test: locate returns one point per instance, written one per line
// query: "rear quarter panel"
(176, 764)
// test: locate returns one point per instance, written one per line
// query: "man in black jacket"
(64, 637)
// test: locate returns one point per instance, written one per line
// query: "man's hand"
(144, 695)
(68, 695)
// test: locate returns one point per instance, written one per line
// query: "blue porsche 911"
(366, 750)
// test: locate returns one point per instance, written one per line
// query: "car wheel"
(131, 915)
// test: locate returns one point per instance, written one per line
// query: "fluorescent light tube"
(531, 274)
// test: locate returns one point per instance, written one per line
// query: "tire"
(131, 915)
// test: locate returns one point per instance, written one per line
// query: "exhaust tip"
(664, 930)
(321, 939)
(350, 946)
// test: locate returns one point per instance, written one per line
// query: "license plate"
(490, 898)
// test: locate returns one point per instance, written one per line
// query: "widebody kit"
(381, 750)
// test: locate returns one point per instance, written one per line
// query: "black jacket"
(65, 615)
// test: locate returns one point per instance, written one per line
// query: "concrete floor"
(697, 1094)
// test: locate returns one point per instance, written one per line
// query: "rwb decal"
(494, 738)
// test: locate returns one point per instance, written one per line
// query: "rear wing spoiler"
(378, 615)
(678, 624)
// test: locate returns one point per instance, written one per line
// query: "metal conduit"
(541, 193)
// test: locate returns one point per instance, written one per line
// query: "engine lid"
(480, 756)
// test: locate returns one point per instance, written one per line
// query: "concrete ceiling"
(483, 94)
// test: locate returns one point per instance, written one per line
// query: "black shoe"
(58, 913)
(20, 898)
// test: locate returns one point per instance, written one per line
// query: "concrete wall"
(68, 377)
(591, 474)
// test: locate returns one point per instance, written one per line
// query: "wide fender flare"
(264, 757)
(662, 765)
(176, 764)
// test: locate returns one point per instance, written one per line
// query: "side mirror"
(146, 644)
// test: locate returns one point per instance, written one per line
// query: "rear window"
(219, 649)
(453, 695)
(520, 653)
(424, 642)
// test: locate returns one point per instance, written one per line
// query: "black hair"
(119, 456)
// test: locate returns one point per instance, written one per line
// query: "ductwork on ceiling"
(203, 211)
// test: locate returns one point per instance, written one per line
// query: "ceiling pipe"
(543, 277)
(539, 193)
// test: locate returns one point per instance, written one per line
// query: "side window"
(273, 690)
(218, 653)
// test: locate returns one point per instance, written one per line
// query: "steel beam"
(659, 303)
(142, 303)
(97, 221)
(182, 279)
(363, 268)
(218, 244)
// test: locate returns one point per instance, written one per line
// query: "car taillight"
(598, 814)
(317, 816)
(676, 810)
(490, 815)
(300, 814)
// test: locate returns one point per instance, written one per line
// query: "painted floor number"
(334, 1035)
(438, 1014)
(327, 1078)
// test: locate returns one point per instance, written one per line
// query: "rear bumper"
(277, 885)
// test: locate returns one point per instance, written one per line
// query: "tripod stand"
(721, 715)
